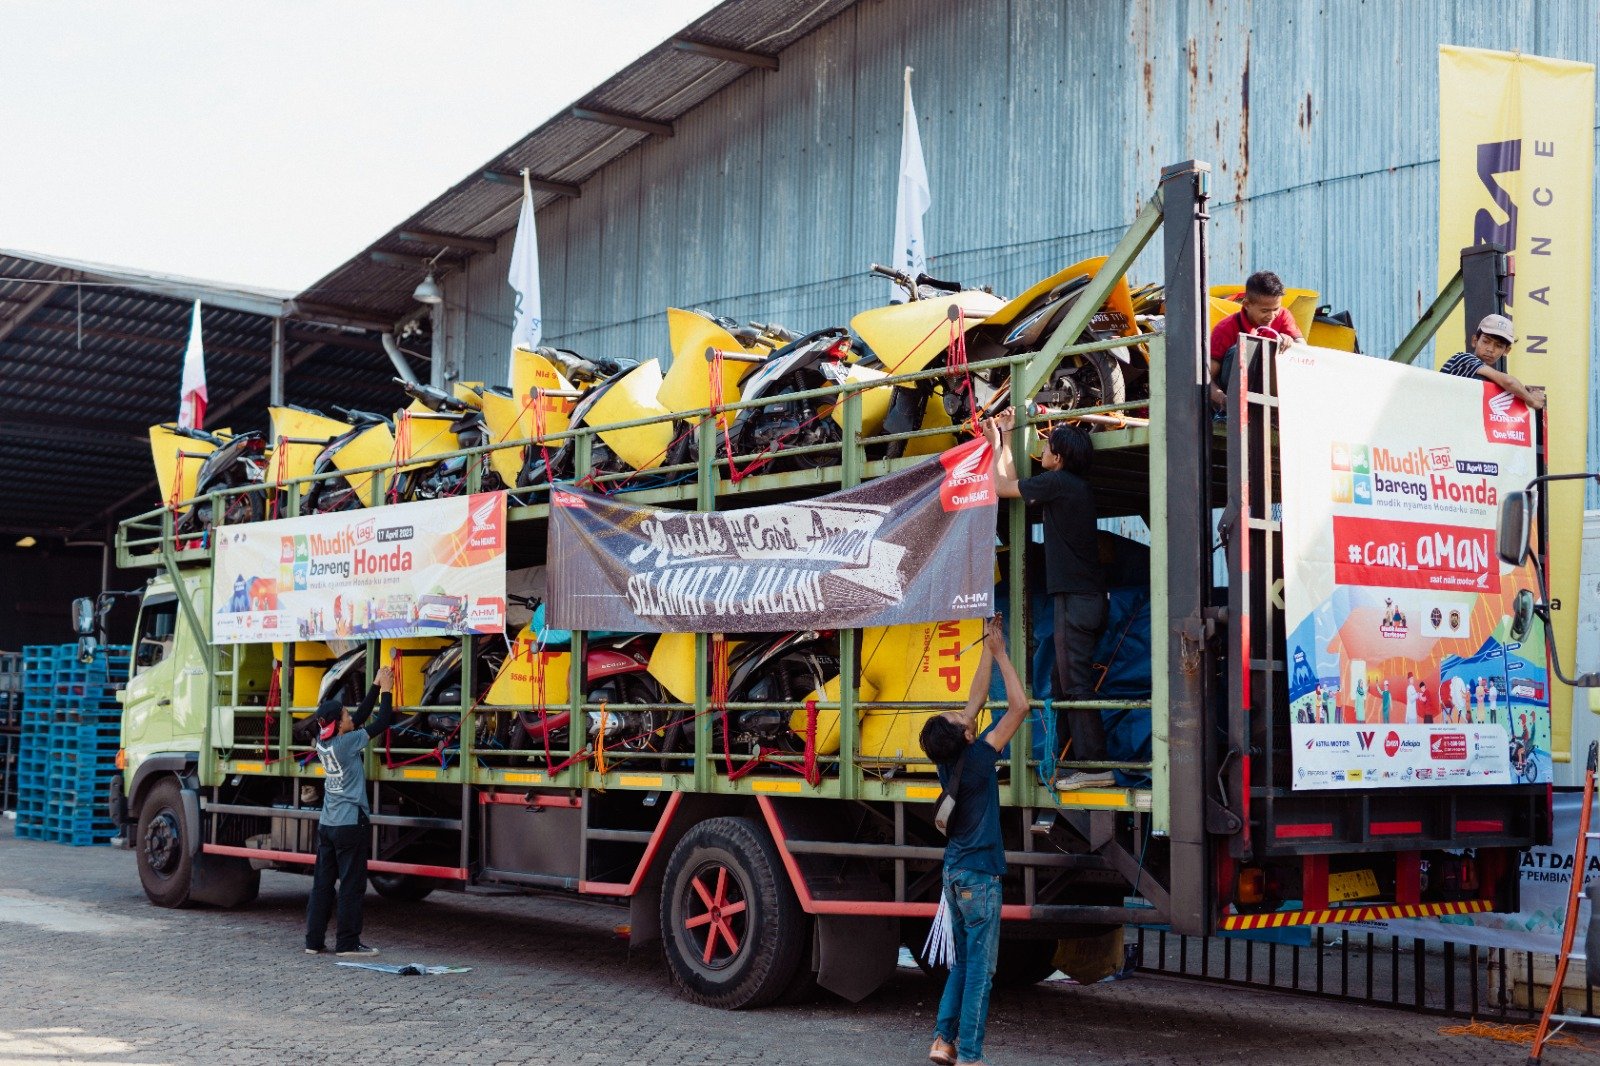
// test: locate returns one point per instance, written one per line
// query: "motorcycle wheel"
(245, 507)
(1099, 378)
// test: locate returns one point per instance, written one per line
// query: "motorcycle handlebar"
(891, 273)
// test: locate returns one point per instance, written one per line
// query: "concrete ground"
(90, 972)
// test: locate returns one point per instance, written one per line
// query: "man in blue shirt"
(344, 831)
(975, 858)
(1490, 342)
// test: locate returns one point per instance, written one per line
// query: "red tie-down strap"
(274, 701)
(956, 362)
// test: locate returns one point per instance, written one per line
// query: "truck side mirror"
(1516, 522)
(83, 616)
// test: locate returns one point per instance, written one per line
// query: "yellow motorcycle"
(920, 334)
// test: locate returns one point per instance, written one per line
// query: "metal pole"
(275, 388)
(1187, 529)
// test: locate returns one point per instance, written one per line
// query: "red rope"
(274, 700)
(956, 362)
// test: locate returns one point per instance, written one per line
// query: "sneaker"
(943, 1052)
(359, 949)
(1085, 779)
(315, 951)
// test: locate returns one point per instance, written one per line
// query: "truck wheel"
(166, 869)
(403, 888)
(732, 928)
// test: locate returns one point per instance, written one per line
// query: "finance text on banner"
(916, 546)
(1407, 666)
(434, 568)
(1516, 168)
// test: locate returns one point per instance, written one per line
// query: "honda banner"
(916, 546)
(1408, 661)
(433, 568)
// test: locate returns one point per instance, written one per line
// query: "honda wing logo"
(483, 514)
(968, 481)
(1506, 419)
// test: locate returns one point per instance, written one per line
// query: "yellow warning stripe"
(1339, 915)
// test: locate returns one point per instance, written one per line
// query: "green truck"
(763, 884)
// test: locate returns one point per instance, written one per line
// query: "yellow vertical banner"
(1516, 167)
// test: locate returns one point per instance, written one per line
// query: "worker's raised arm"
(1534, 398)
(381, 686)
(978, 694)
(997, 431)
(1016, 695)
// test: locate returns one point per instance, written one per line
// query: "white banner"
(433, 568)
(1405, 665)
(1545, 879)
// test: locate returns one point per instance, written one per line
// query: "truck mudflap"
(1343, 915)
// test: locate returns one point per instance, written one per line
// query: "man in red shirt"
(1260, 311)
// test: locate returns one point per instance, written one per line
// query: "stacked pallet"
(71, 725)
(10, 726)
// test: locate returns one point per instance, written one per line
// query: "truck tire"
(402, 888)
(166, 867)
(731, 927)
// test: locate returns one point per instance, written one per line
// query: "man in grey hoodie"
(344, 831)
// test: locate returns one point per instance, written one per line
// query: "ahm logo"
(1500, 407)
(1506, 419)
(1365, 739)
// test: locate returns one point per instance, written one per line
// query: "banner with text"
(1516, 168)
(1407, 665)
(433, 568)
(916, 546)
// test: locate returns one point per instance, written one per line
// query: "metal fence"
(1425, 976)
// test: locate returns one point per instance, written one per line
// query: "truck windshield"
(157, 622)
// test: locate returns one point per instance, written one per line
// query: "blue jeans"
(974, 900)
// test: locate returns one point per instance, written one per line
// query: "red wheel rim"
(715, 915)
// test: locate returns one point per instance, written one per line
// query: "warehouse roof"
(90, 358)
(640, 102)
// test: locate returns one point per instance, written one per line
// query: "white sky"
(266, 142)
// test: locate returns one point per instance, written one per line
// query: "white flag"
(911, 203)
(192, 393)
(529, 326)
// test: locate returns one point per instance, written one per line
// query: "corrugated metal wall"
(1045, 124)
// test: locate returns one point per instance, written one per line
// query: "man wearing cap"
(1490, 342)
(344, 832)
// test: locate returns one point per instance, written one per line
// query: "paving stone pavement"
(91, 973)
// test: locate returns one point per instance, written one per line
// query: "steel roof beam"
(331, 315)
(221, 411)
(559, 188)
(629, 122)
(413, 262)
(451, 240)
(727, 55)
(135, 338)
(107, 433)
(29, 306)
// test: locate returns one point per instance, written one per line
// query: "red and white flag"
(192, 394)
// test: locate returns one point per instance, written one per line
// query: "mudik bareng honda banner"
(1406, 664)
(434, 568)
(916, 546)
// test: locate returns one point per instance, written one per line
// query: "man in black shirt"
(1072, 576)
